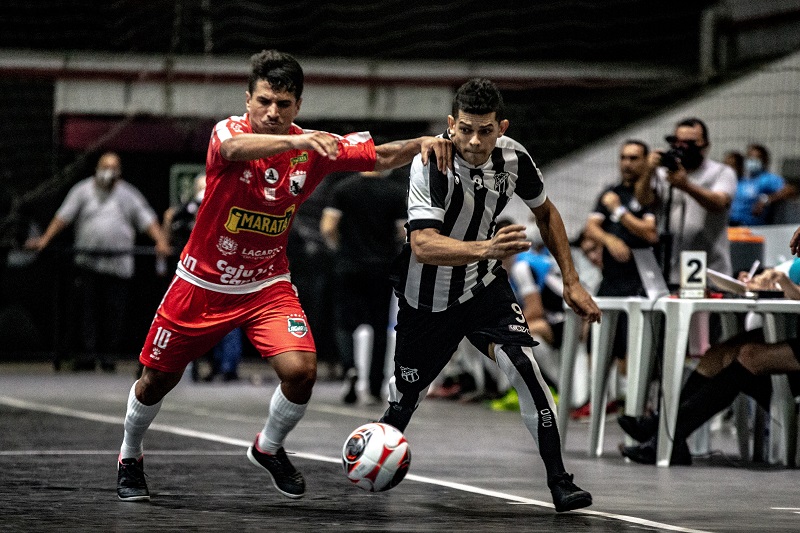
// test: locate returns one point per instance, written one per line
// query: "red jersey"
(238, 244)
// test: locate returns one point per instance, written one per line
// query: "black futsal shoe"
(131, 485)
(285, 477)
(646, 453)
(567, 496)
(639, 428)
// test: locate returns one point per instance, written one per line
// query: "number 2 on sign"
(693, 274)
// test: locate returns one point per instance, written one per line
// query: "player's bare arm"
(250, 146)
(398, 153)
(551, 226)
(433, 248)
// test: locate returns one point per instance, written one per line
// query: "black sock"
(760, 389)
(711, 398)
(398, 415)
(694, 382)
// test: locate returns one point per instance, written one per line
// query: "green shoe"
(509, 402)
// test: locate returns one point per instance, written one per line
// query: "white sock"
(283, 417)
(137, 419)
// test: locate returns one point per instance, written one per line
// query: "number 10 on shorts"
(693, 274)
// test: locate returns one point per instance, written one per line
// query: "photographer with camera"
(696, 194)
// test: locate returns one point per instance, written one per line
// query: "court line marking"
(108, 419)
(18, 453)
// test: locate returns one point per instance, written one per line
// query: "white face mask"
(106, 176)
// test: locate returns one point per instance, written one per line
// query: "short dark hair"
(279, 69)
(479, 96)
(691, 122)
(762, 150)
(637, 142)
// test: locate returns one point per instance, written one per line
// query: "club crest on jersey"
(226, 245)
(296, 182)
(271, 176)
(297, 326)
(264, 223)
(501, 182)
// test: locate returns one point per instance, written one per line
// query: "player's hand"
(324, 144)
(442, 151)
(618, 249)
(508, 241)
(581, 302)
(610, 201)
(794, 243)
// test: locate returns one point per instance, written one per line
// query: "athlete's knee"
(514, 353)
(751, 356)
(154, 384)
(297, 369)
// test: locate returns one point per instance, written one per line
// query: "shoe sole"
(274, 484)
(579, 501)
(134, 498)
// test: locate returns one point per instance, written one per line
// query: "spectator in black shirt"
(363, 223)
(624, 219)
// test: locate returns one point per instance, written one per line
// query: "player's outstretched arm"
(551, 226)
(250, 146)
(398, 153)
(433, 248)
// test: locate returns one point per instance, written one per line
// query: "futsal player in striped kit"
(234, 271)
(450, 281)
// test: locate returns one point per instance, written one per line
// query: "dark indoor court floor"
(472, 469)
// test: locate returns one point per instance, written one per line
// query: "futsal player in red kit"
(233, 273)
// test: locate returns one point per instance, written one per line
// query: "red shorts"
(192, 320)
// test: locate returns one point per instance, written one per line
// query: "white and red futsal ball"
(376, 457)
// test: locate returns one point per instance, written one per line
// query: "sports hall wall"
(760, 107)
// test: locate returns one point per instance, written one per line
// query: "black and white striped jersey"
(464, 204)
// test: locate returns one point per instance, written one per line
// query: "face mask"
(691, 158)
(753, 166)
(106, 176)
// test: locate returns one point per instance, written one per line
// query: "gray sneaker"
(131, 485)
(285, 477)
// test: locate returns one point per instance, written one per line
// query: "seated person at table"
(743, 363)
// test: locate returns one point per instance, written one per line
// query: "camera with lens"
(670, 159)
